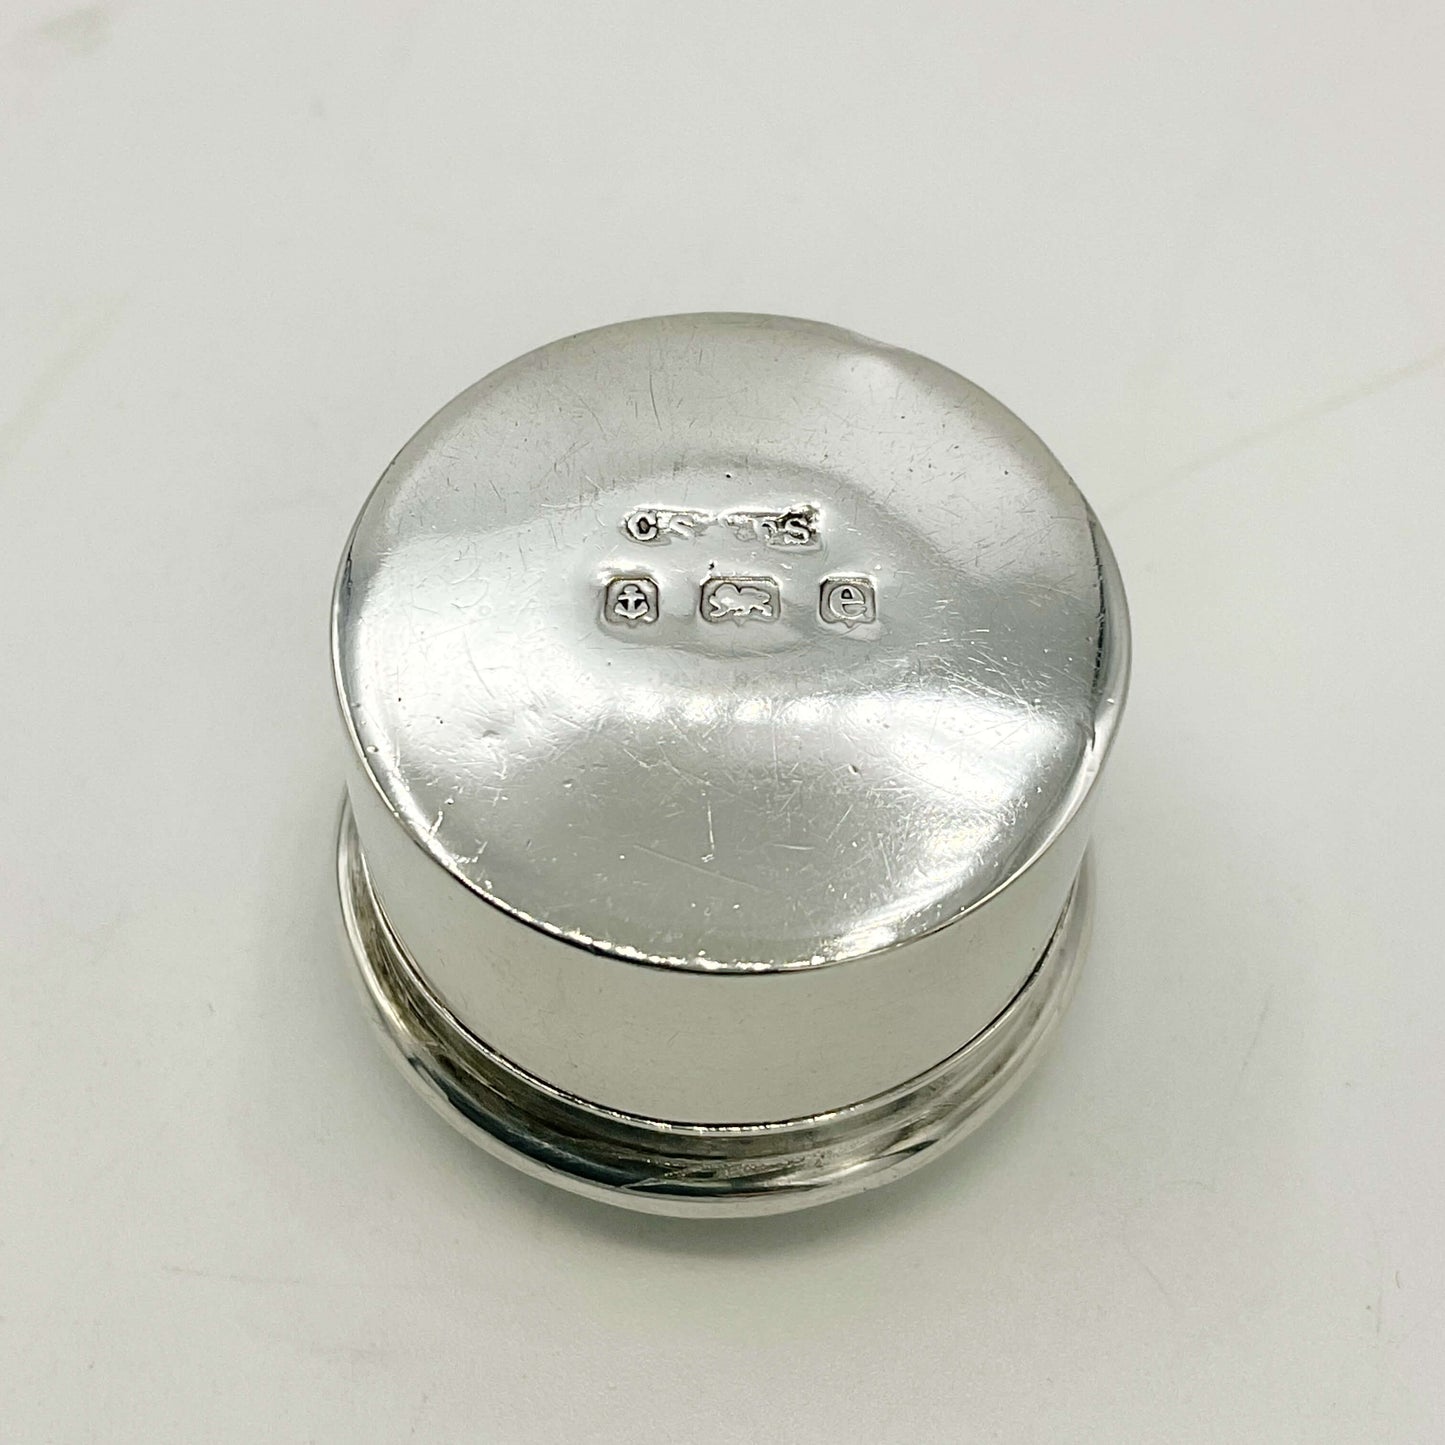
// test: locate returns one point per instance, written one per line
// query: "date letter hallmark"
(740, 599)
(848, 600)
(630, 600)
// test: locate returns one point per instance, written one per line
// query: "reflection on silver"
(698, 1170)
(676, 866)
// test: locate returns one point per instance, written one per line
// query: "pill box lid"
(729, 642)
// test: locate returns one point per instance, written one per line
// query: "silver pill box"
(725, 698)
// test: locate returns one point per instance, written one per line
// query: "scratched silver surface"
(696, 1170)
(752, 795)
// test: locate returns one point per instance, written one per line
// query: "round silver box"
(725, 699)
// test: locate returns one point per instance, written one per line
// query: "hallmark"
(796, 526)
(660, 524)
(740, 599)
(630, 600)
(849, 600)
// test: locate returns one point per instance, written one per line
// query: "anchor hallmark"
(630, 600)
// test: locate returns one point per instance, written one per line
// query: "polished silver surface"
(726, 696)
(662, 1167)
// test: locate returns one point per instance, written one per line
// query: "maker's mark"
(796, 527)
(658, 524)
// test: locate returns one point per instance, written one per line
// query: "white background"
(249, 247)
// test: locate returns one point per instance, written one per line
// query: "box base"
(699, 1170)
